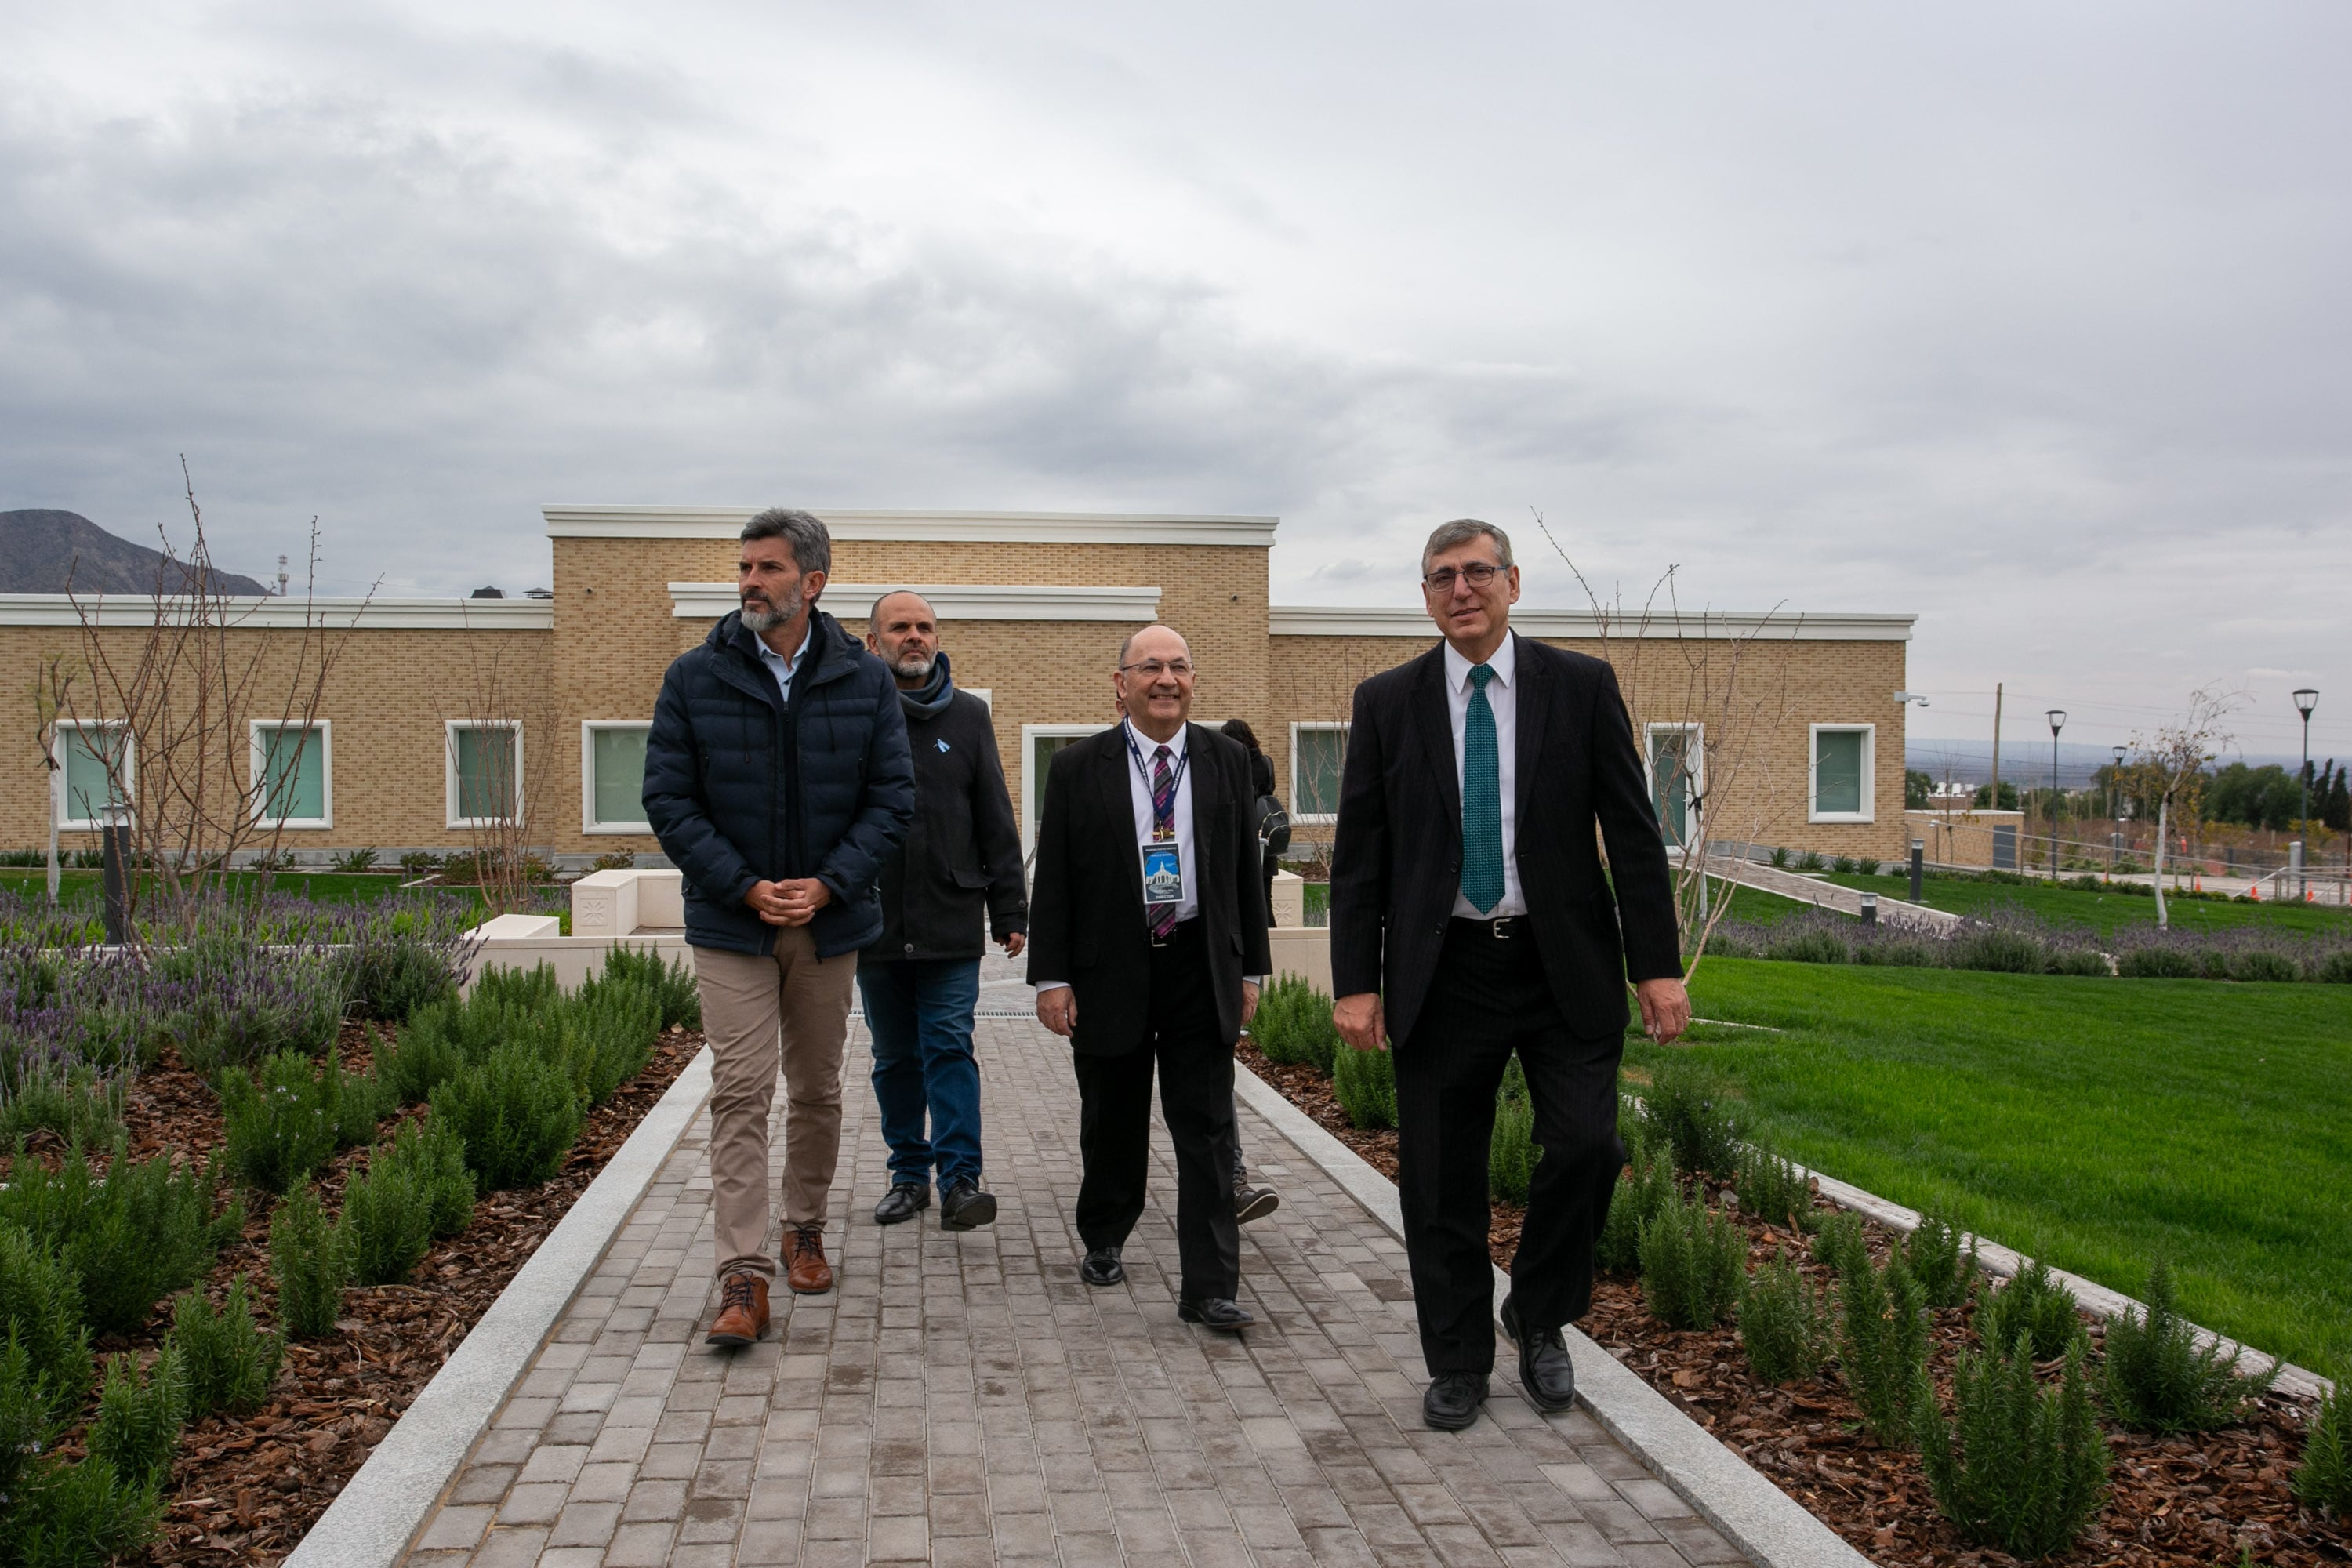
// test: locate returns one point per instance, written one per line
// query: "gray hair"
(1461, 531)
(874, 616)
(811, 545)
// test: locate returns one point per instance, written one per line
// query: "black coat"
(961, 858)
(1396, 859)
(1086, 918)
(741, 788)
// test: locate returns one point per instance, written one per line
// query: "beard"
(757, 621)
(912, 667)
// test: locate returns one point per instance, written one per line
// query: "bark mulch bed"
(2197, 1500)
(245, 1489)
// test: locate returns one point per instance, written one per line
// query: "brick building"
(441, 714)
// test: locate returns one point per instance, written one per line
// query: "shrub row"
(2015, 941)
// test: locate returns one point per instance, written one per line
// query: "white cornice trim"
(955, 527)
(1788, 625)
(953, 600)
(380, 614)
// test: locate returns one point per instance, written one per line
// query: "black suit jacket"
(1086, 903)
(1396, 863)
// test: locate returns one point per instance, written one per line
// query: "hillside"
(39, 548)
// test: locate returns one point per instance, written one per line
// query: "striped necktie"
(1482, 798)
(1163, 828)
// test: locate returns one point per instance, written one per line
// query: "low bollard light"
(1870, 911)
(1918, 866)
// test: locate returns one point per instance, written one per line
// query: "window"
(292, 773)
(1844, 766)
(1678, 759)
(1318, 753)
(1038, 744)
(85, 784)
(485, 777)
(612, 777)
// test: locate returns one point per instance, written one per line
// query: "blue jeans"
(919, 1013)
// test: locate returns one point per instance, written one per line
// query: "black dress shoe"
(1214, 1312)
(1452, 1400)
(904, 1201)
(963, 1207)
(1253, 1202)
(1102, 1266)
(1545, 1371)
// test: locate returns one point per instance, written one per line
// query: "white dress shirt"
(1139, 791)
(1502, 697)
(782, 668)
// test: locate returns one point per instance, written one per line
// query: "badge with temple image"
(1164, 875)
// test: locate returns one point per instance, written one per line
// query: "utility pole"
(1993, 801)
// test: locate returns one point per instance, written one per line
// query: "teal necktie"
(1482, 799)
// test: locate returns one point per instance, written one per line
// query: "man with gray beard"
(955, 881)
(778, 781)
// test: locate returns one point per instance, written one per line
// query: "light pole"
(2305, 700)
(2057, 717)
(2115, 809)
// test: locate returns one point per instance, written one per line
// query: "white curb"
(379, 1511)
(1773, 1528)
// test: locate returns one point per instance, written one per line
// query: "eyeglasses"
(1153, 668)
(1477, 574)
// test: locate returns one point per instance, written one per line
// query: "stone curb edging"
(2007, 1263)
(1770, 1527)
(380, 1510)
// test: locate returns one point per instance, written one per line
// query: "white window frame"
(1299, 815)
(588, 822)
(1868, 813)
(1033, 780)
(256, 762)
(57, 774)
(1696, 755)
(449, 771)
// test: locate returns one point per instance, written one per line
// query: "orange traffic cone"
(2254, 894)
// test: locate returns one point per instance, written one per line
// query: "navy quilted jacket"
(741, 787)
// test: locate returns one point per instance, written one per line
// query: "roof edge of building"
(921, 526)
(1790, 625)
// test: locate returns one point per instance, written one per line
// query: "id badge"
(1164, 875)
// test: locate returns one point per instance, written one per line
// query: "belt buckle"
(1499, 927)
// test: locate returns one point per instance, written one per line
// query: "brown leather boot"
(805, 1269)
(742, 1310)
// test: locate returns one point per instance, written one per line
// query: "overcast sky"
(2031, 319)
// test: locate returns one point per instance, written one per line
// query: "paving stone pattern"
(967, 1399)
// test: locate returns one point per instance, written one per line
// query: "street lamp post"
(2057, 717)
(2115, 809)
(2305, 700)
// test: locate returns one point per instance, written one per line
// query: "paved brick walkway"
(965, 1399)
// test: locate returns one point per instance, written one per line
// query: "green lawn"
(2091, 1122)
(1965, 896)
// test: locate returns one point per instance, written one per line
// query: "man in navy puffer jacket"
(777, 778)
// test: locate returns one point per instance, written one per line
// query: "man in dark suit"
(1146, 937)
(1470, 918)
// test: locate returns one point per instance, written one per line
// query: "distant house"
(444, 714)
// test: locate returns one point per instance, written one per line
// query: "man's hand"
(1058, 1010)
(1014, 944)
(766, 900)
(1360, 1020)
(1249, 1000)
(1666, 1009)
(800, 900)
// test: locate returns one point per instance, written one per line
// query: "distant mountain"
(39, 548)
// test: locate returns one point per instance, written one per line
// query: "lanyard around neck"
(1175, 780)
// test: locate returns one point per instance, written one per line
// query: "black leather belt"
(1502, 927)
(1180, 932)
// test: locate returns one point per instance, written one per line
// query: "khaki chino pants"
(793, 1009)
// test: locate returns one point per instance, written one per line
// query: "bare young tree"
(172, 691)
(1714, 704)
(2172, 764)
(499, 788)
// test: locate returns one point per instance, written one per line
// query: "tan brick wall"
(386, 696)
(1793, 684)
